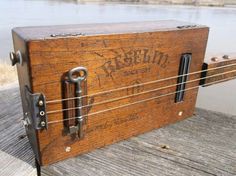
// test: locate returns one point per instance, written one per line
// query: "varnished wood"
(220, 69)
(115, 55)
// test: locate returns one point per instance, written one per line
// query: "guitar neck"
(219, 69)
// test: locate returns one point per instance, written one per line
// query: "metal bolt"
(43, 123)
(41, 113)
(15, 58)
(214, 59)
(226, 57)
(25, 123)
(40, 103)
(180, 113)
(68, 149)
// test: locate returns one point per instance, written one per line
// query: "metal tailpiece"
(36, 115)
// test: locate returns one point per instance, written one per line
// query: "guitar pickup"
(182, 76)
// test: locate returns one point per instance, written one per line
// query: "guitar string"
(136, 94)
(136, 85)
(137, 102)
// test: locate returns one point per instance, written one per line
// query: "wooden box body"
(116, 55)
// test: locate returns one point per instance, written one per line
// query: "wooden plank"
(203, 145)
(16, 156)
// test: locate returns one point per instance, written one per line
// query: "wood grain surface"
(225, 68)
(114, 60)
(203, 145)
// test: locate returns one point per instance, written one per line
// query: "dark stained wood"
(115, 59)
(69, 92)
(220, 70)
(203, 145)
(24, 80)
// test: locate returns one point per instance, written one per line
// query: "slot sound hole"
(182, 76)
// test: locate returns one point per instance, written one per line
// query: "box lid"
(45, 32)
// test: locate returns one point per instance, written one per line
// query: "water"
(222, 23)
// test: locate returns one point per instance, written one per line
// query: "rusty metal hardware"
(36, 115)
(77, 75)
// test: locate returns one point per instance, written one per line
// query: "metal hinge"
(36, 113)
(186, 26)
(67, 34)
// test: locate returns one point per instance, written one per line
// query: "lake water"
(222, 23)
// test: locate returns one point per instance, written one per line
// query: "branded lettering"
(134, 57)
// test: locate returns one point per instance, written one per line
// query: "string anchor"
(35, 114)
(78, 75)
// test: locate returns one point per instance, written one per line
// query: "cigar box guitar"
(87, 86)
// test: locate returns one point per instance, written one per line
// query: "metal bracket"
(36, 110)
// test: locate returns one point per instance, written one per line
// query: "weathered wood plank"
(16, 156)
(204, 144)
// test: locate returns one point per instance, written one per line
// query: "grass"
(7, 74)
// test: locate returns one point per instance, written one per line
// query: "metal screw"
(41, 113)
(68, 149)
(25, 123)
(180, 113)
(43, 123)
(214, 59)
(40, 103)
(226, 57)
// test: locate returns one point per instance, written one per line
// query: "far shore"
(220, 3)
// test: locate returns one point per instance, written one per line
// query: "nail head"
(40, 103)
(214, 59)
(180, 113)
(43, 123)
(226, 57)
(68, 149)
